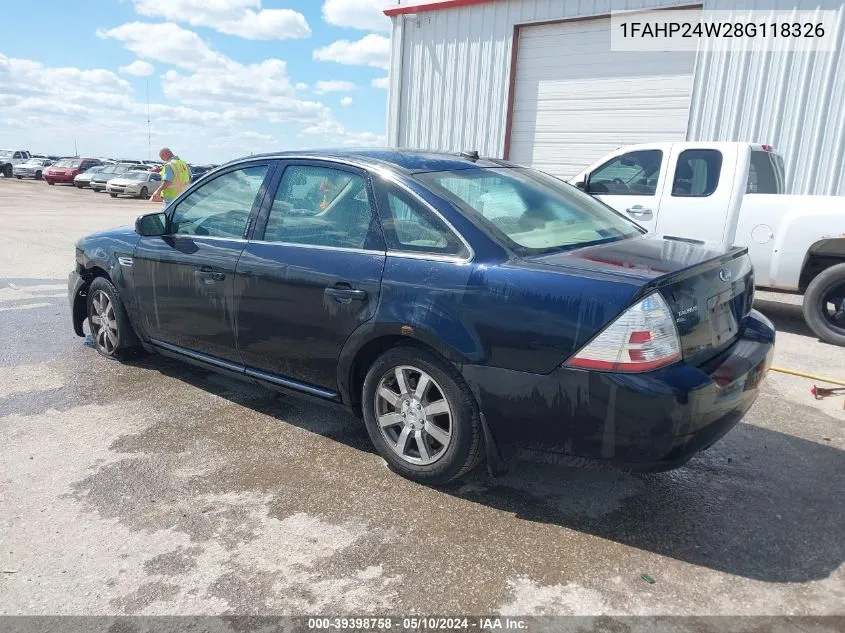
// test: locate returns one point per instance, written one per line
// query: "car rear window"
(67, 163)
(765, 173)
(533, 212)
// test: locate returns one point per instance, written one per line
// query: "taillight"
(767, 148)
(643, 338)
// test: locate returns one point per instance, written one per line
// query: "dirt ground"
(151, 487)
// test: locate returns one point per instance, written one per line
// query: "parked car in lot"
(461, 306)
(65, 170)
(135, 183)
(84, 179)
(100, 179)
(11, 157)
(733, 193)
(32, 168)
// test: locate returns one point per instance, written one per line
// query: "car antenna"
(472, 154)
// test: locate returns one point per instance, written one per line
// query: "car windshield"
(136, 175)
(95, 170)
(35, 161)
(67, 162)
(533, 212)
(120, 169)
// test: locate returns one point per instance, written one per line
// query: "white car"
(733, 193)
(136, 183)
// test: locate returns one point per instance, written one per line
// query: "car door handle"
(638, 211)
(207, 272)
(344, 293)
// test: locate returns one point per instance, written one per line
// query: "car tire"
(19, 177)
(143, 194)
(433, 436)
(113, 195)
(7, 171)
(38, 175)
(51, 183)
(110, 328)
(824, 295)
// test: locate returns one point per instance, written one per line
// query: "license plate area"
(723, 322)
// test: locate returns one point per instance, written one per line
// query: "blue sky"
(225, 77)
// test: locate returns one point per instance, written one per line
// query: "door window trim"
(270, 196)
(272, 167)
(613, 158)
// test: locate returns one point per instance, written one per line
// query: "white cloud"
(322, 87)
(166, 42)
(244, 18)
(334, 133)
(370, 50)
(380, 82)
(358, 14)
(139, 68)
(346, 101)
(301, 86)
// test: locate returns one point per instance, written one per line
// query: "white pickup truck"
(11, 157)
(733, 193)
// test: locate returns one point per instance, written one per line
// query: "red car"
(66, 169)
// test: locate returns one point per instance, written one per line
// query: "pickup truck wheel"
(110, 328)
(421, 416)
(7, 171)
(824, 305)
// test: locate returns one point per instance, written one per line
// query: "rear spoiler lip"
(734, 252)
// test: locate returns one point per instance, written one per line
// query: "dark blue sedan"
(465, 308)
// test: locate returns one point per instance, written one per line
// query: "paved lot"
(151, 487)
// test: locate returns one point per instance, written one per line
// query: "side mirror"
(151, 224)
(582, 185)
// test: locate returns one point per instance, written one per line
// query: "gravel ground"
(151, 487)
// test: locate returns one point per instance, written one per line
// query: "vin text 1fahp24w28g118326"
(461, 306)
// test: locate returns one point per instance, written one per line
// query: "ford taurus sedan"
(463, 307)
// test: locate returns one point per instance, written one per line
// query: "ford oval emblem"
(725, 275)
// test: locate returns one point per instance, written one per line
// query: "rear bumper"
(652, 421)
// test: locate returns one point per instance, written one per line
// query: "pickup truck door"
(698, 196)
(630, 182)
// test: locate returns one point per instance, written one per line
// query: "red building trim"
(422, 7)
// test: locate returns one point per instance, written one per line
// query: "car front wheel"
(144, 194)
(824, 305)
(110, 327)
(421, 416)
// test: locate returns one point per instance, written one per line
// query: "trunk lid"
(709, 288)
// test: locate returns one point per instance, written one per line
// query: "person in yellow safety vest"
(175, 177)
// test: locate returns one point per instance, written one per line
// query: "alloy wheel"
(413, 415)
(104, 322)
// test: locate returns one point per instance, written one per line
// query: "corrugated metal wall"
(795, 102)
(453, 86)
(456, 65)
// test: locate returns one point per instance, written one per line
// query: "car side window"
(411, 227)
(17, 155)
(631, 174)
(321, 206)
(219, 207)
(697, 173)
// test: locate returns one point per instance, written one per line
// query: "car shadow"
(760, 504)
(786, 317)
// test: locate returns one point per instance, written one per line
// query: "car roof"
(407, 160)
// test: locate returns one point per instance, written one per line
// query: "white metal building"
(535, 82)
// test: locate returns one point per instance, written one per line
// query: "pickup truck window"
(763, 174)
(631, 174)
(697, 173)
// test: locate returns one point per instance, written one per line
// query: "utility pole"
(149, 133)
(75, 149)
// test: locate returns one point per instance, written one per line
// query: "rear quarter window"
(697, 173)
